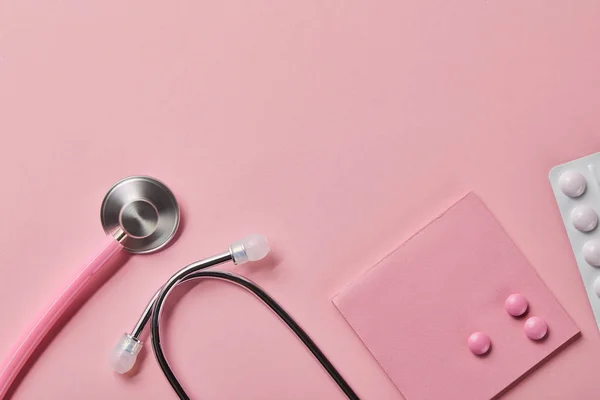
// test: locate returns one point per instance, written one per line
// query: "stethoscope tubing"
(153, 311)
(258, 292)
(32, 338)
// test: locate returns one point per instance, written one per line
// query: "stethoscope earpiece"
(252, 248)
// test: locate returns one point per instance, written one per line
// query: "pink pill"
(516, 304)
(479, 343)
(535, 328)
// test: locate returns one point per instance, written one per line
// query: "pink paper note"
(416, 308)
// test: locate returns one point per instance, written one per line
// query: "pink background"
(337, 128)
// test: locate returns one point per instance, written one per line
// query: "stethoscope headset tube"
(240, 252)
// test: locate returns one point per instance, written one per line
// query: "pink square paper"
(416, 308)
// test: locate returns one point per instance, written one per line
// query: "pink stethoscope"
(140, 214)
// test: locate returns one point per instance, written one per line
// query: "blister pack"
(576, 186)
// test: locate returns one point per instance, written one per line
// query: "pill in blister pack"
(576, 186)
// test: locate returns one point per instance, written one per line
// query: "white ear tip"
(121, 362)
(257, 247)
(123, 356)
(252, 248)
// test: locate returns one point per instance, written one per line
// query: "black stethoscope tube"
(259, 293)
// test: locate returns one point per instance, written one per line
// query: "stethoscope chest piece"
(139, 214)
(145, 209)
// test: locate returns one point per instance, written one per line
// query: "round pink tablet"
(479, 343)
(535, 328)
(516, 304)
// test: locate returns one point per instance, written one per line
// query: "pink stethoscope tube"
(32, 338)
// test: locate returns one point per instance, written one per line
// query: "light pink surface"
(416, 309)
(345, 126)
(12, 364)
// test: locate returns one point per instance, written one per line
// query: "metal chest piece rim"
(145, 209)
